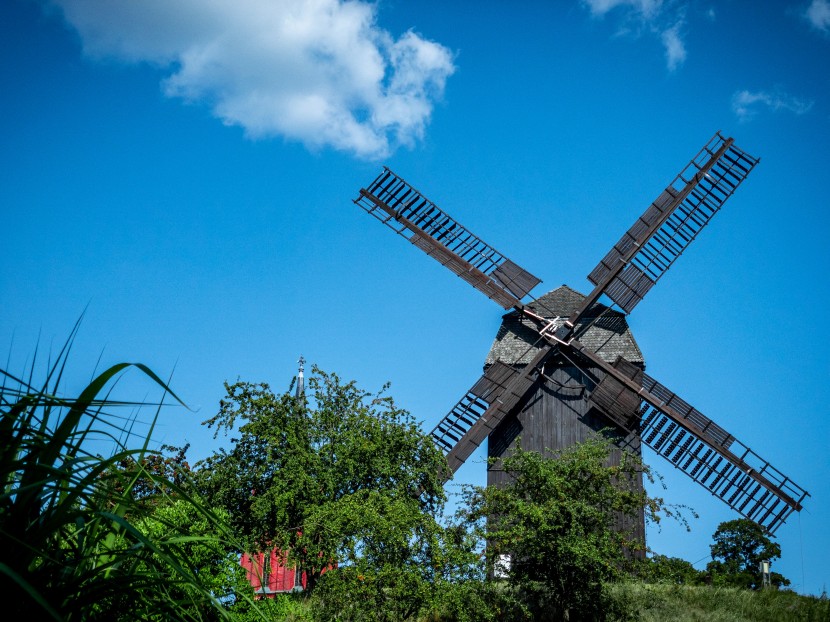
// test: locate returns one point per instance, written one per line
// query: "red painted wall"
(273, 576)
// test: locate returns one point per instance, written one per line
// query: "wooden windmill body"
(565, 364)
(556, 413)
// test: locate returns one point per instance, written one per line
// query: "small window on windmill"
(501, 569)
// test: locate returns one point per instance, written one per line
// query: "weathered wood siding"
(556, 416)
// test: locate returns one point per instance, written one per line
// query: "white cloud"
(656, 17)
(321, 72)
(646, 8)
(747, 104)
(673, 44)
(818, 13)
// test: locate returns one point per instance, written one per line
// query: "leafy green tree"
(557, 522)
(739, 547)
(345, 483)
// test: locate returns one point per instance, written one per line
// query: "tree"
(345, 483)
(739, 547)
(557, 522)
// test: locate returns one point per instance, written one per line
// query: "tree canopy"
(739, 547)
(555, 531)
(342, 479)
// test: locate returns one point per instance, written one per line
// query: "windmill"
(560, 332)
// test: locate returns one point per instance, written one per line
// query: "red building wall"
(268, 574)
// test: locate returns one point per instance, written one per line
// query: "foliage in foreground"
(73, 546)
(556, 531)
(349, 486)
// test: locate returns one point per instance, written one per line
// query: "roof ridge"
(512, 346)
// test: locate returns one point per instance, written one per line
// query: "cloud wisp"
(662, 19)
(646, 8)
(747, 104)
(321, 72)
(673, 44)
(818, 14)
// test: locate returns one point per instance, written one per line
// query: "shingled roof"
(608, 335)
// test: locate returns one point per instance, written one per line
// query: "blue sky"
(186, 171)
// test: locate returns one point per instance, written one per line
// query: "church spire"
(300, 378)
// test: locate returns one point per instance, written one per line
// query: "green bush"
(557, 522)
(663, 569)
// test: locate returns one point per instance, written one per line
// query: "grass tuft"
(72, 546)
(686, 603)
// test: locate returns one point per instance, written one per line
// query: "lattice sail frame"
(398, 205)
(672, 221)
(483, 408)
(727, 474)
(696, 445)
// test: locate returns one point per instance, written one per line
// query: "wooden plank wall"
(558, 415)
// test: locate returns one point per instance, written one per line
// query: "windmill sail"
(406, 211)
(697, 446)
(669, 225)
(719, 462)
(482, 408)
